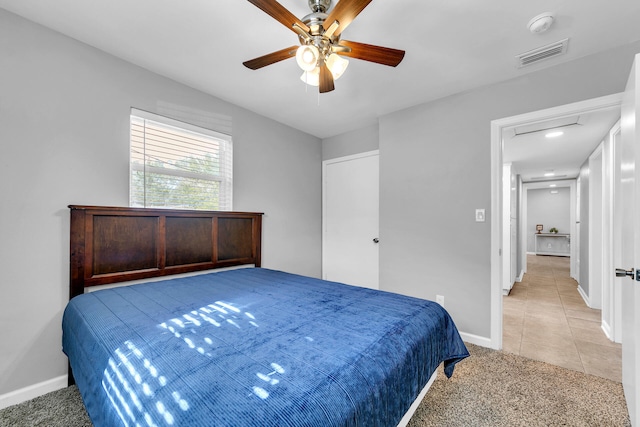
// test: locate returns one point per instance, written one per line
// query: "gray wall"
(435, 170)
(354, 142)
(64, 130)
(550, 210)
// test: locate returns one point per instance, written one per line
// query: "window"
(177, 165)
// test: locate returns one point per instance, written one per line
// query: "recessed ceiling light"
(552, 185)
(549, 174)
(554, 134)
(554, 191)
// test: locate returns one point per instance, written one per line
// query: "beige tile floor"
(546, 319)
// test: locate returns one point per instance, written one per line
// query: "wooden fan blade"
(344, 12)
(271, 58)
(279, 13)
(326, 79)
(371, 53)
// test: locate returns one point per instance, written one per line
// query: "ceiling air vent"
(542, 53)
(548, 125)
(547, 178)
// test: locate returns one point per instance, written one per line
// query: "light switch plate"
(480, 217)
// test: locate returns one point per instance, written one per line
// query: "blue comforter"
(254, 347)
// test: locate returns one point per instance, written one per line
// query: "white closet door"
(350, 220)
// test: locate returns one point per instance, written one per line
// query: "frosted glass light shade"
(307, 57)
(312, 78)
(337, 65)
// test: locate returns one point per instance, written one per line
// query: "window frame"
(225, 178)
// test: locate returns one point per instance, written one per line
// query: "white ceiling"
(451, 47)
(532, 154)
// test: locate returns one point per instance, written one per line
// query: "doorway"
(497, 128)
(569, 300)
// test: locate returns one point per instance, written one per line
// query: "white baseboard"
(606, 329)
(584, 296)
(520, 277)
(476, 339)
(35, 390)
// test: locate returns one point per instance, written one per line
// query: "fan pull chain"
(306, 87)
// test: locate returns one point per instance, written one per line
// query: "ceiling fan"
(320, 54)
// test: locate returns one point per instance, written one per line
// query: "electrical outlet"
(440, 299)
(480, 216)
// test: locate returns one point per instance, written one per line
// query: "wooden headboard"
(116, 244)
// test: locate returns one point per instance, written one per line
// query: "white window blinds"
(177, 165)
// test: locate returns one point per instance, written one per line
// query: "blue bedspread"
(254, 347)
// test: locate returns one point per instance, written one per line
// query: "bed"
(246, 346)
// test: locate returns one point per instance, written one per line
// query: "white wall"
(550, 210)
(435, 170)
(64, 133)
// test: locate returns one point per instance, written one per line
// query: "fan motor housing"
(314, 21)
(319, 5)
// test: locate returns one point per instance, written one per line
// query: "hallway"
(546, 319)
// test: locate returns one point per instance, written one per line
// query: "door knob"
(376, 240)
(621, 272)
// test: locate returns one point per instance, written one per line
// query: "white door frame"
(596, 229)
(507, 272)
(571, 184)
(613, 325)
(577, 239)
(497, 127)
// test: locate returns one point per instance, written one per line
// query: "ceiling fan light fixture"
(337, 65)
(319, 34)
(312, 78)
(307, 57)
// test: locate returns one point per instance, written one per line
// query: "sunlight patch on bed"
(131, 379)
(224, 312)
(260, 392)
(128, 391)
(187, 326)
(229, 306)
(270, 380)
